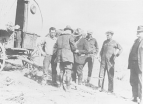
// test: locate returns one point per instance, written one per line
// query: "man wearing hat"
(82, 46)
(108, 54)
(136, 65)
(65, 47)
(93, 49)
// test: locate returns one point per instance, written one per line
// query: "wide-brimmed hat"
(140, 29)
(110, 32)
(77, 32)
(68, 28)
(89, 32)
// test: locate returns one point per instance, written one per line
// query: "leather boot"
(88, 79)
(54, 80)
(68, 79)
(79, 79)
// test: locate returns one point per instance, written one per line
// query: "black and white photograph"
(71, 51)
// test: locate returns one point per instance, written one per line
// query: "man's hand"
(76, 51)
(117, 55)
(43, 53)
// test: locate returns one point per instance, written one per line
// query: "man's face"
(140, 34)
(53, 33)
(89, 36)
(109, 36)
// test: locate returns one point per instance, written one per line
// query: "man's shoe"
(134, 99)
(100, 89)
(88, 79)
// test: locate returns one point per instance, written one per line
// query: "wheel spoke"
(2, 57)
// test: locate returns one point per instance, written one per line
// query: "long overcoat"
(82, 46)
(65, 47)
(140, 59)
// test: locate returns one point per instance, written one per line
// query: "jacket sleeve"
(102, 49)
(55, 48)
(140, 57)
(72, 44)
(85, 49)
(96, 46)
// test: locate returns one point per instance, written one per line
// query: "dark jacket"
(139, 57)
(65, 47)
(82, 46)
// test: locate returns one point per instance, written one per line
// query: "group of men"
(72, 50)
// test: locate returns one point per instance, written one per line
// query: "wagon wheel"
(25, 64)
(2, 57)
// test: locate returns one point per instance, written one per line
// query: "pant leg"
(134, 82)
(110, 73)
(140, 86)
(79, 68)
(67, 66)
(54, 69)
(54, 65)
(46, 64)
(90, 66)
(102, 72)
(74, 73)
(62, 72)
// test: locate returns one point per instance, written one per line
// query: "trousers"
(136, 80)
(49, 59)
(109, 67)
(90, 61)
(77, 71)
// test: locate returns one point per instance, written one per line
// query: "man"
(49, 54)
(80, 57)
(65, 47)
(93, 49)
(108, 54)
(136, 65)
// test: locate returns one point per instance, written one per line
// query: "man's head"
(140, 32)
(109, 34)
(89, 34)
(52, 32)
(68, 29)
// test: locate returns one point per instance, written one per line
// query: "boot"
(54, 80)
(79, 79)
(68, 79)
(88, 79)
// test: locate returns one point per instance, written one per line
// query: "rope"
(40, 11)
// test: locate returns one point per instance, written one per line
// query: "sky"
(120, 16)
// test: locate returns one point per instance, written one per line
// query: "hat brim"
(139, 30)
(77, 34)
(68, 29)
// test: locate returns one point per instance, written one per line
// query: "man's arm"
(41, 45)
(96, 47)
(102, 49)
(72, 44)
(85, 49)
(118, 46)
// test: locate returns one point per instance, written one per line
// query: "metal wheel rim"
(2, 57)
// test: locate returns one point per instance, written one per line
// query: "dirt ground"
(16, 88)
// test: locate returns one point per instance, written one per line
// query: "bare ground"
(15, 88)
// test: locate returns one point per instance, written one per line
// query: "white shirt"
(49, 44)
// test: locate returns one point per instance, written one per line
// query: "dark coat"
(139, 58)
(82, 46)
(65, 47)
